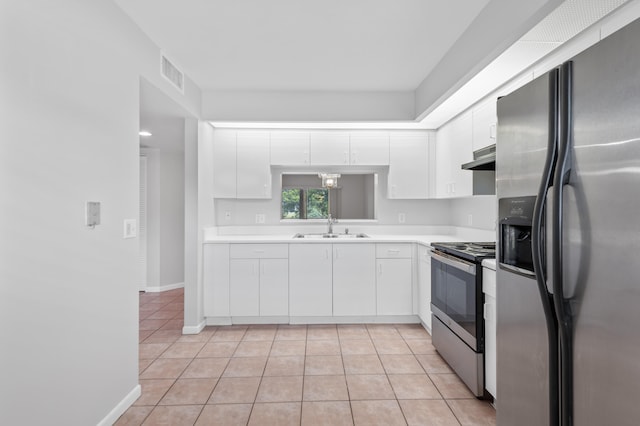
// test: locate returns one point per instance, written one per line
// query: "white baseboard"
(218, 320)
(122, 406)
(194, 329)
(365, 319)
(162, 288)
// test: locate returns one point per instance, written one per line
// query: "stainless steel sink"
(325, 235)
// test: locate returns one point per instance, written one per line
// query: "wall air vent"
(171, 73)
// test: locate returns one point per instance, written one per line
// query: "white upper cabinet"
(290, 148)
(454, 148)
(329, 148)
(408, 165)
(485, 117)
(224, 164)
(241, 166)
(253, 168)
(369, 149)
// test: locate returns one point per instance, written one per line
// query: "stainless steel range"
(457, 306)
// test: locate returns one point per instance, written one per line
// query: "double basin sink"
(327, 235)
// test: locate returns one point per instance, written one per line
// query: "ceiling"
(448, 54)
(369, 45)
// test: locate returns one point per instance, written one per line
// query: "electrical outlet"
(402, 217)
(470, 220)
(227, 216)
(260, 218)
(130, 228)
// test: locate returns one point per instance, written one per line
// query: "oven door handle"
(469, 268)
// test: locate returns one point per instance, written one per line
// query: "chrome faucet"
(330, 222)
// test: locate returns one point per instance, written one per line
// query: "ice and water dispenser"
(514, 245)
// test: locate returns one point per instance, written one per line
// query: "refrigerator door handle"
(537, 246)
(563, 313)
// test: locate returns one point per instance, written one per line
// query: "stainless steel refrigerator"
(568, 281)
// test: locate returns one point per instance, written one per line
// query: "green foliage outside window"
(291, 203)
(298, 203)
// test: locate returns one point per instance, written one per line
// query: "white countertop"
(373, 238)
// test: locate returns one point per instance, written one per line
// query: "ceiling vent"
(171, 73)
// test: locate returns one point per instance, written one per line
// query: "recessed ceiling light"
(144, 133)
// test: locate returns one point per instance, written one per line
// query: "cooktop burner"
(475, 251)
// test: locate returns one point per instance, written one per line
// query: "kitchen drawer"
(393, 251)
(259, 251)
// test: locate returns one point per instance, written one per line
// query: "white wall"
(478, 212)
(69, 89)
(418, 212)
(165, 218)
(172, 218)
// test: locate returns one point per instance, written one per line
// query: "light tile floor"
(267, 375)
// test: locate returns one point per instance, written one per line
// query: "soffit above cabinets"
(567, 21)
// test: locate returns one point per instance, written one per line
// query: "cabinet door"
(424, 286)
(216, 280)
(485, 117)
(394, 287)
(329, 148)
(224, 164)
(290, 148)
(462, 153)
(274, 287)
(369, 148)
(310, 280)
(443, 161)
(453, 148)
(408, 165)
(354, 279)
(253, 168)
(244, 287)
(490, 327)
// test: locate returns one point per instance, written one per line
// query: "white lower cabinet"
(310, 280)
(259, 280)
(244, 282)
(394, 279)
(216, 280)
(424, 285)
(490, 325)
(354, 279)
(274, 287)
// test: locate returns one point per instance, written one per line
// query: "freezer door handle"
(561, 305)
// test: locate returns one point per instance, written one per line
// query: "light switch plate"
(92, 214)
(130, 228)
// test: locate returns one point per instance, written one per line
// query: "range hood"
(483, 159)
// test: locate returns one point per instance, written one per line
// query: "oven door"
(454, 296)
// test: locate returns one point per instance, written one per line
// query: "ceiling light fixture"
(144, 133)
(329, 180)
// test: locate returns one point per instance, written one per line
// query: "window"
(303, 197)
(305, 203)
